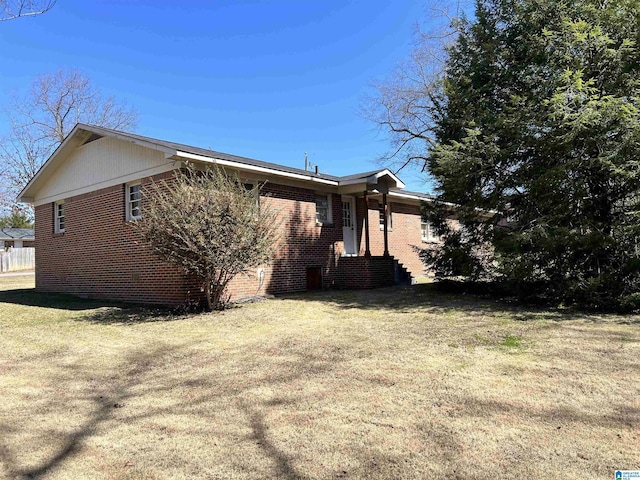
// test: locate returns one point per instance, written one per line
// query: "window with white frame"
(381, 216)
(323, 208)
(134, 198)
(428, 232)
(58, 217)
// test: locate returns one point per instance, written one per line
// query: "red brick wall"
(364, 272)
(405, 234)
(302, 243)
(100, 255)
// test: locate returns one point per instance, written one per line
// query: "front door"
(349, 225)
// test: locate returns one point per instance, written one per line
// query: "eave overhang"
(376, 182)
(255, 168)
(77, 137)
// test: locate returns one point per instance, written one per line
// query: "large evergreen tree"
(541, 123)
(537, 118)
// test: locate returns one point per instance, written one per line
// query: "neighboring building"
(335, 231)
(16, 237)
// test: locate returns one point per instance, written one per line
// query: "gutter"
(255, 168)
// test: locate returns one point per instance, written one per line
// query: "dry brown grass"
(394, 383)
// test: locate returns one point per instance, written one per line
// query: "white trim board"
(109, 183)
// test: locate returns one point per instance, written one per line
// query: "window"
(250, 187)
(323, 209)
(134, 196)
(428, 232)
(347, 221)
(58, 215)
(381, 216)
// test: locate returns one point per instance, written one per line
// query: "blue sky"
(264, 79)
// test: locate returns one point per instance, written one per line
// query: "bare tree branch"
(405, 105)
(12, 9)
(210, 225)
(41, 119)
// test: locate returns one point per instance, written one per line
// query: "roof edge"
(171, 149)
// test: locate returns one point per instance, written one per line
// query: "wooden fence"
(17, 259)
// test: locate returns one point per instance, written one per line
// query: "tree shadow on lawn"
(30, 298)
(149, 386)
(427, 297)
(70, 443)
(113, 402)
(618, 415)
(131, 314)
(98, 311)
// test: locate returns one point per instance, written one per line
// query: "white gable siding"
(99, 164)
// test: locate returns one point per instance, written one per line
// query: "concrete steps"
(401, 275)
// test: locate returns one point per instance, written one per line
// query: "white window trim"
(57, 217)
(431, 236)
(128, 201)
(389, 217)
(329, 208)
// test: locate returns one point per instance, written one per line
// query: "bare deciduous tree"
(21, 156)
(210, 225)
(56, 102)
(12, 9)
(42, 118)
(405, 104)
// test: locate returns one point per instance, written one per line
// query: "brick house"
(335, 233)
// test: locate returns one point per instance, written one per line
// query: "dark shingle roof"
(238, 159)
(426, 196)
(214, 154)
(17, 233)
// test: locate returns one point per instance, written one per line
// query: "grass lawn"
(392, 383)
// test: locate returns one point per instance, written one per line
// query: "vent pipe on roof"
(308, 166)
